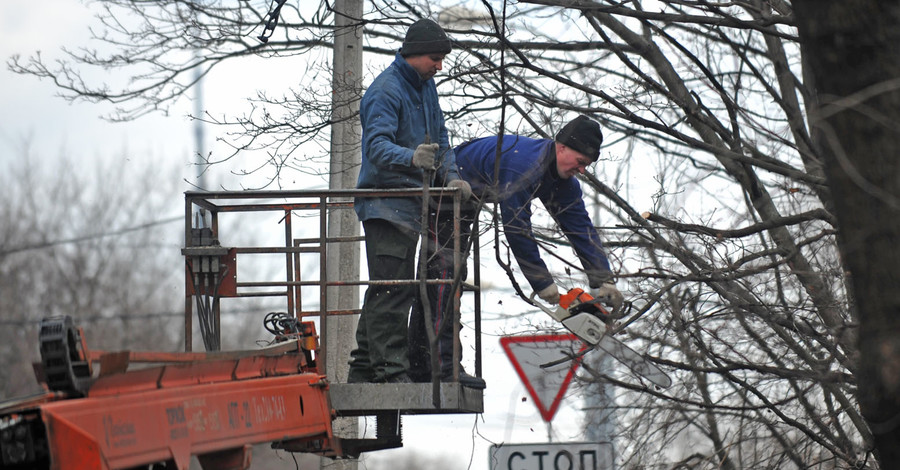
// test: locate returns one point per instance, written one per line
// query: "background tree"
(102, 245)
(723, 209)
(99, 245)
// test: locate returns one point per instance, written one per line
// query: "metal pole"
(599, 397)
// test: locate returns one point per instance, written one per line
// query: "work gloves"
(549, 294)
(465, 190)
(609, 295)
(423, 156)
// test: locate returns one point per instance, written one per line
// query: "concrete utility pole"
(199, 131)
(343, 258)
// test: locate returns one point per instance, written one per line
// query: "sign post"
(531, 356)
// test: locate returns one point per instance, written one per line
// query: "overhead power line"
(48, 244)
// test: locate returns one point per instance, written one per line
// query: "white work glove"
(423, 157)
(609, 295)
(465, 190)
(549, 294)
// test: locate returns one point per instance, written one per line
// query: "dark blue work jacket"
(528, 171)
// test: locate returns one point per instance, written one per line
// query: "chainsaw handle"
(540, 304)
(559, 314)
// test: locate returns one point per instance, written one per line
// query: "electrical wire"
(65, 241)
(205, 301)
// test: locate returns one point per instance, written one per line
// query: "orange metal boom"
(213, 410)
(213, 405)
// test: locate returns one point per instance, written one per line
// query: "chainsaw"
(581, 314)
(586, 318)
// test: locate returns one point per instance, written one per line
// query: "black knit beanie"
(425, 37)
(583, 135)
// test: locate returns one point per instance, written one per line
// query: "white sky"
(32, 113)
(52, 126)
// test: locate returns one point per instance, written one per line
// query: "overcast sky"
(33, 114)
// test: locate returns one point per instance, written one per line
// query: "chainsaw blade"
(635, 362)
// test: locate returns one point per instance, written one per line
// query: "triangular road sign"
(545, 385)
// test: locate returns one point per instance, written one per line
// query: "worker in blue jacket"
(403, 134)
(529, 169)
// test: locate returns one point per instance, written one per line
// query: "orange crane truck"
(103, 410)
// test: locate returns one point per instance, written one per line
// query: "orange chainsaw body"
(576, 300)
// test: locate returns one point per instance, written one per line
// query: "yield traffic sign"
(546, 384)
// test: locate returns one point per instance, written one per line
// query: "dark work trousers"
(441, 299)
(381, 337)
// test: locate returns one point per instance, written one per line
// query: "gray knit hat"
(425, 37)
(583, 135)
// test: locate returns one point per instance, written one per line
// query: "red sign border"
(546, 413)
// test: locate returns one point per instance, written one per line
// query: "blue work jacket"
(528, 171)
(397, 112)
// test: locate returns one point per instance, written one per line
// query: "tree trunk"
(851, 50)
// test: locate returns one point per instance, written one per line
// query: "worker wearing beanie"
(403, 134)
(529, 169)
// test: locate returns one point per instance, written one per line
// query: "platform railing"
(212, 256)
